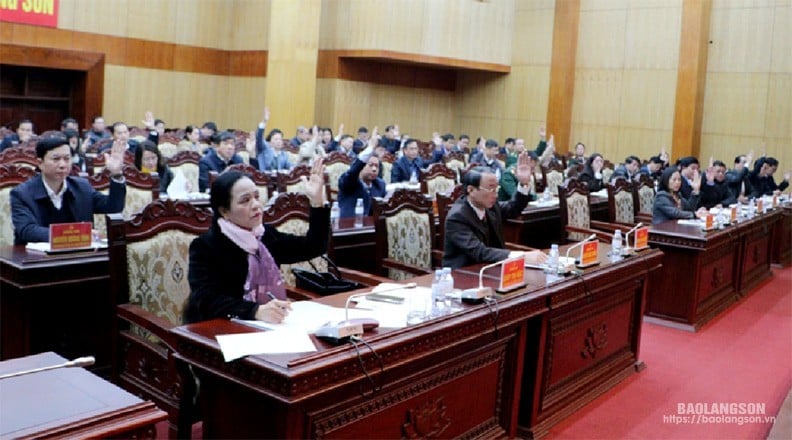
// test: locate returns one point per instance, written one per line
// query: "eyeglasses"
(492, 190)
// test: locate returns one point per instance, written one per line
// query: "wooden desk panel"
(353, 246)
(69, 403)
(704, 272)
(58, 303)
(455, 376)
(782, 238)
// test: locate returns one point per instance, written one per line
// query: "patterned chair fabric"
(646, 197)
(298, 226)
(409, 241)
(578, 215)
(334, 171)
(387, 167)
(6, 226)
(624, 207)
(553, 179)
(157, 271)
(167, 149)
(606, 174)
(439, 184)
(186, 162)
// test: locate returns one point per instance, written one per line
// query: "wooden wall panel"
(642, 142)
(526, 93)
(246, 102)
(600, 39)
(597, 97)
(533, 37)
(603, 5)
(736, 103)
(779, 108)
(652, 36)
(153, 19)
(741, 40)
(598, 139)
(780, 60)
(645, 99)
(98, 16)
(250, 25)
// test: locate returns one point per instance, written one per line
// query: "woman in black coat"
(233, 270)
(149, 160)
(592, 172)
(669, 203)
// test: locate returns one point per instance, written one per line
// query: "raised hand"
(148, 120)
(696, 183)
(524, 169)
(314, 133)
(114, 161)
(710, 173)
(542, 131)
(266, 115)
(314, 185)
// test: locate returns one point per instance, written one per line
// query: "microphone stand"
(626, 249)
(79, 362)
(580, 243)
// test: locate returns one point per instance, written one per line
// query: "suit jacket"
(12, 140)
(764, 186)
(267, 159)
(402, 169)
(212, 162)
(714, 194)
(350, 188)
(737, 182)
(588, 177)
(465, 234)
(218, 267)
(665, 208)
(30, 202)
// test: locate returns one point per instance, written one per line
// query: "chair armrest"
(518, 247)
(363, 277)
(610, 227)
(643, 217)
(409, 268)
(159, 327)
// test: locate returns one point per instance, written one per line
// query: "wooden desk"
(549, 350)
(705, 272)
(782, 237)
(353, 246)
(540, 227)
(59, 303)
(69, 403)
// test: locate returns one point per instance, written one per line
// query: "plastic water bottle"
(552, 260)
(335, 212)
(438, 293)
(616, 245)
(413, 177)
(547, 195)
(448, 282)
(359, 212)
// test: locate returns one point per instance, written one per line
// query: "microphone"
(580, 243)
(626, 248)
(478, 294)
(79, 362)
(339, 332)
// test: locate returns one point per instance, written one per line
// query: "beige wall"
(180, 98)
(463, 29)
(626, 76)
(748, 98)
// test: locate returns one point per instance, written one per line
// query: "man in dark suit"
(56, 197)
(688, 167)
(473, 227)
(361, 181)
(408, 165)
(217, 158)
(23, 133)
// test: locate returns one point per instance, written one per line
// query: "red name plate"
(588, 253)
(708, 222)
(35, 12)
(70, 236)
(733, 214)
(642, 238)
(759, 206)
(512, 274)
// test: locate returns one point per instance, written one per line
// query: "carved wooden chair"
(575, 207)
(263, 180)
(149, 260)
(438, 178)
(186, 163)
(644, 196)
(138, 134)
(141, 189)
(292, 152)
(622, 210)
(336, 164)
(456, 161)
(25, 157)
(11, 175)
(425, 149)
(404, 230)
(289, 212)
(444, 200)
(99, 145)
(168, 145)
(386, 164)
(553, 176)
(607, 170)
(291, 181)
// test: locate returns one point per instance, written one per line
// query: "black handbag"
(323, 283)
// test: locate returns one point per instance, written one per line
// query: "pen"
(269, 294)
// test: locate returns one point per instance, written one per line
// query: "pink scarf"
(264, 277)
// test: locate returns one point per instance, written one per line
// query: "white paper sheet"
(305, 317)
(544, 203)
(271, 342)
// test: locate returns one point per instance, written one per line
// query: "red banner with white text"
(35, 12)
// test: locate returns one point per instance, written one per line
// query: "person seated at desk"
(408, 167)
(149, 160)
(53, 196)
(713, 191)
(233, 271)
(669, 203)
(217, 158)
(762, 182)
(592, 172)
(361, 181)
(508, 181)
(473, 227)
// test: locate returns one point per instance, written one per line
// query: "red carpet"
(743, 356)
